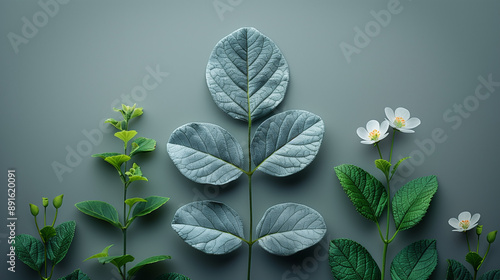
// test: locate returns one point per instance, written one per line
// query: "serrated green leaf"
(172, 276)
(366, 192)
(456, 271)
(135, 174)
(474, 259)
(142, 145)
(117, 261)
(105, 155)
(131, 201)
(416, 261)
(397, 165)
(102, 254)
(117, 160)
(383, 165)
(47, 232)
(76, 275)
(491, 275)
(410, 203)
(153, 203)
(100, 210)
(351, 261)
(115, 123)
(126, 135)
(30, 251)
(58, 247)
(147, 261)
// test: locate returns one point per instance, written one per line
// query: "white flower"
(400, 119)
(464, 221)
(373, 132)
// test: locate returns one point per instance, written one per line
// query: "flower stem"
(392, 144)
(378, 148)
(467, 238)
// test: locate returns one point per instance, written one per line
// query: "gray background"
(64, 81)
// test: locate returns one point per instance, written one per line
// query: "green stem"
(44, 216)
(484, 258)
(392, 144)
(467, 238)
(478, 239)
(378, 148)
(55, 217)
(475, 274)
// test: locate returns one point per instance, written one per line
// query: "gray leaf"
(246, 73)
(206, 153)
(289, 227)
(287, 142)
(209, 226)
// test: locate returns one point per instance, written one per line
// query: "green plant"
(247, 76)
(53, 245)
(456, 270)
(132, 207)
(349, 259)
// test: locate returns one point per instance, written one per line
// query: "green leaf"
(76, 275)
(137, 112)
(153, 203)
(142, 145)
(135, 173)
(115, 123)
(172, 276)
(474, 259)
(126, 135)
(147, 261)
(416, 261)
(397, 165)
(410, 203)
(117, 160)
(456, 271)
(383, 165)
(491, 275)
(105, 155)
(117, 261)
(102, 254)
(30, 251)
(58, 247)
(131, 201)
(47, 232)
(100, 210)
(351, 261)
(366, 192)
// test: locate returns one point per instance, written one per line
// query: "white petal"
(475, 218)
(389, 113)
(384, 126)
(403, 113)
(371, 125)
(412, 123)
(362, 133)
(405, 130)
(464, 216)
(472, 226)
(453, 222)
(367, 142)
(459, 229)
(383, 136)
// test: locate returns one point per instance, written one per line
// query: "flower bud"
(58, 200)
(479, 229)
(491, 236)
(34, 209)
(45, 201)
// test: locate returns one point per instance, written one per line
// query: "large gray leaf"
(247, 74)
(206, 153)
(287, 142)
(289, 227)
(209, 226)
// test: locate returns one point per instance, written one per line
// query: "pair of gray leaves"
(247, 76)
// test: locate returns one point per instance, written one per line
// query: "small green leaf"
(135, 174)
(383, 165)
(126, 135)
(117, 160)
(58, 247)
(118, 261)
(115, 123)
(30, 251)
(137, 112)
(100, 210)
(410, 203)
(366, 192)
(456, 271)
(142, 145)
(102, 254)
(131, 201)
(416, 261)
(47, 232)
(397, 165)
(147, 261)
(351, 261)
(171, 276)
(105, 155)
(474, 259)
(491, 275)
(153, 203)
(76, 275)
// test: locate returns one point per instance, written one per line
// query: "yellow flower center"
(399, 122)
(374, 135)
(464, 224)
